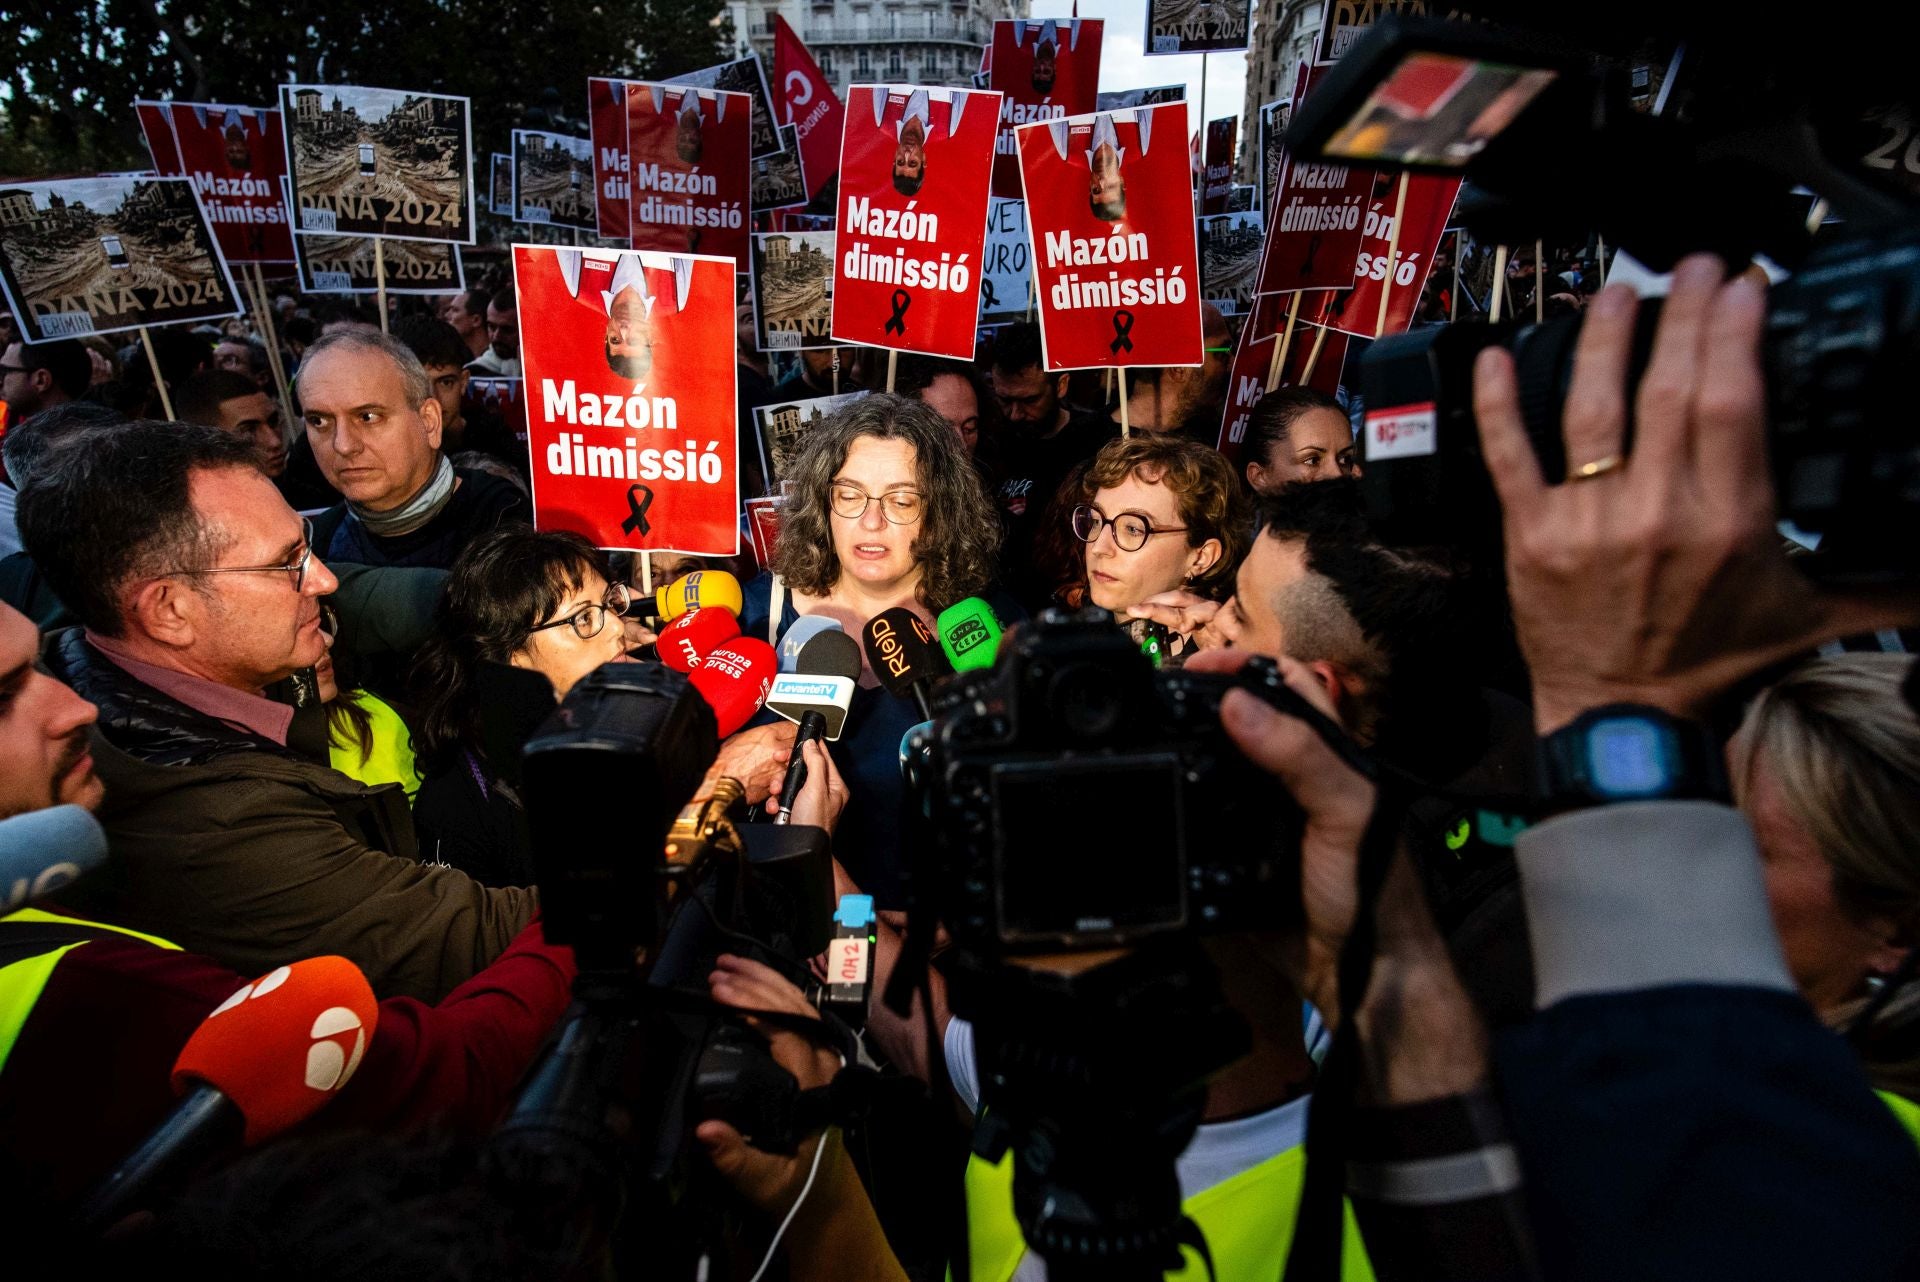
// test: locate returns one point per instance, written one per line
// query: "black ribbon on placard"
(1122, 326)
(1313, 247)
(636, 522)
(987, 294)
(897, 324)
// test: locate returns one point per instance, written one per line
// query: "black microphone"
(43, 850)
(904, 654)
(815, 696)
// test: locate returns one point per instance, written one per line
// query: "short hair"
(141, 474)
(41, 436)
(66, 360)
(916, 374)
(958, 539)
(502, 584)
(413, 375)
(1016, 349)
(1275, 414)
(503, 300)
(1392, 617)
(1844, 747)
(433, 340)
(473, 302)
(1212, 504)
(200, 397)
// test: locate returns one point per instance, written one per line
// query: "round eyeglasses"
(1130, 530)
(589, 620)
(900, 507)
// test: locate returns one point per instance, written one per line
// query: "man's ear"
(430, 415)
(167, 611)
(1335, 681)
(1060, 382)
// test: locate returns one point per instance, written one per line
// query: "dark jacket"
(480, 504)
(233, 846)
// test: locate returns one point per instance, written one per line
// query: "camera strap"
(1319, 1227)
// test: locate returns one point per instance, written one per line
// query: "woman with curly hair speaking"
(883, 509)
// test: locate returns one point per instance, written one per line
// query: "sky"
(1124, 64)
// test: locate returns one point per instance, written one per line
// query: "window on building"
(863, 64)
(896, 66)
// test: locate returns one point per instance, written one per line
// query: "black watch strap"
(1630, 752)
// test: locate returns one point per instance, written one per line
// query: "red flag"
(805, 99)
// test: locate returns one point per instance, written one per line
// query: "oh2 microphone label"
(1403, 431)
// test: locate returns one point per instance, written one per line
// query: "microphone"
(683, 643)
(697, 591)
(264, 1061)
(969, 633)
(803, 630)
(816, 696)
(900, 649)
(44, 850)
(733, 678)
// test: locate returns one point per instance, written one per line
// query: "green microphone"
(969, 633)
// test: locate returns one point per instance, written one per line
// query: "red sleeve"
(87, 1077)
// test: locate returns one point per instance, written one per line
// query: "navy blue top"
(867, 755)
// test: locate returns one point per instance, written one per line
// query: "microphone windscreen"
(901, 649)
(733, 679)
(969, 634)
(691, 637)
(43, 850)
(803, 630)
(284, 1044)
(830, 654)
(697, 591)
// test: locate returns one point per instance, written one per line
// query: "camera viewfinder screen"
(1089, 847)
(1436, 109)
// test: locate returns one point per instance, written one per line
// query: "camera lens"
(1084, 702)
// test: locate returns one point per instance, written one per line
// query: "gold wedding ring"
(1599, 467)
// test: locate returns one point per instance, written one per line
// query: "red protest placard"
(688, 169)
(607, 126)
(1048, 70)
(1115, 260)
(915, 165)
(1316, 218)
(1314, 359)
(1216, 178)
(628, 364)
(1356, 311)
(235, 157)
(804, 97)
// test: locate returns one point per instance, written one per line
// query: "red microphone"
(734, 679)
(691, 637)
(264, 1061)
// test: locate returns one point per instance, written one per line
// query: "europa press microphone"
(902, 652)
(969, 633)
(264, 1061)
(734, 678)
(815, 696)
(44, 850)
(683, 643)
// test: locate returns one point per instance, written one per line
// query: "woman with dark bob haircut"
(883, 509)
(541, 600)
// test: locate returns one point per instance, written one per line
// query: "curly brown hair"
(1212, 503)
(959, 535)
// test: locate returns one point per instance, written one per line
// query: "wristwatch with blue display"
(1628, 752)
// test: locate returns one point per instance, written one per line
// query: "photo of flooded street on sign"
(379, 162)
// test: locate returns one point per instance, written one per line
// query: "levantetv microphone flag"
(804, 98)
(914, 171)
(1115, 261)
(628, 359)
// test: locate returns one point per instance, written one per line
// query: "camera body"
(1077, 799)
(1844, 449)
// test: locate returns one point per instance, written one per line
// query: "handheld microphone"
(803, 630)
(697, 591)
(969, 633)
(816, 696)
(683, 643)
(264, 1061)
(901, 650)
(44, 850)
(734, 678)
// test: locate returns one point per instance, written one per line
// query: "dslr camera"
(1076, 798)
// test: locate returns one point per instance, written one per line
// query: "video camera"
(1551, 146)
(649, 884)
